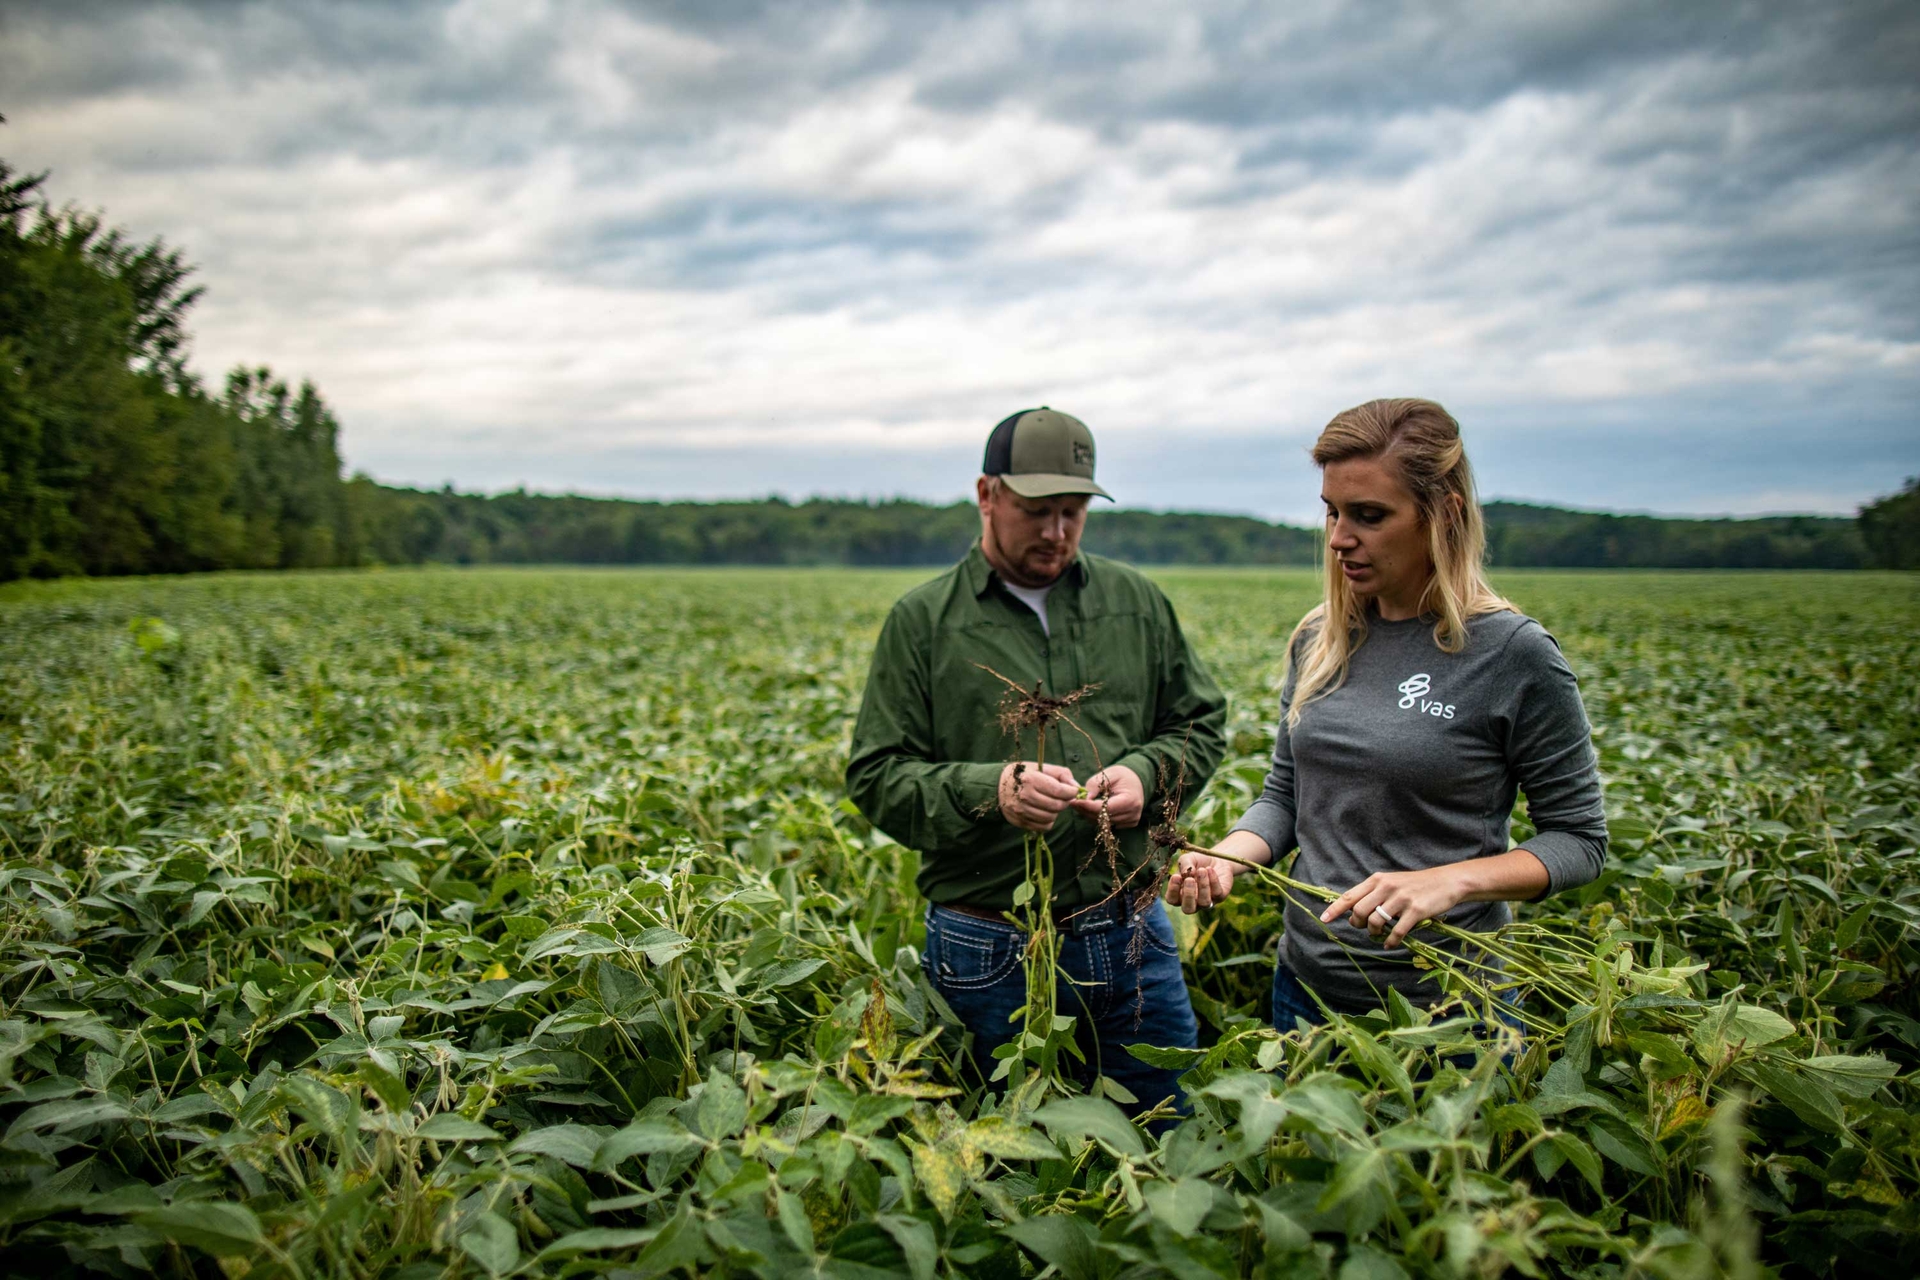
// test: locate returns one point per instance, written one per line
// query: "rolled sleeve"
(1272, 821)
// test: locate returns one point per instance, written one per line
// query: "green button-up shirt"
(928, 748)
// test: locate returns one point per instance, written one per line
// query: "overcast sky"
(1654, 256)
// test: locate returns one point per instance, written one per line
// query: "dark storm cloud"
(747, 235)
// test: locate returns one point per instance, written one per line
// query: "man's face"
(1029, 541)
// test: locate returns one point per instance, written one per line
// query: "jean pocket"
(966, 955)
(1159, 931)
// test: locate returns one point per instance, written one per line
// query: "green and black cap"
(1042, 453)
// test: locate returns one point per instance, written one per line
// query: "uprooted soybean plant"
(408, 924)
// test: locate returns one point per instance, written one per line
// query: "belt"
(1093, 919)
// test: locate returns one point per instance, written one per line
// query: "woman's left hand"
(1388, 904)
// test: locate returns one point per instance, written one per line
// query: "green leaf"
(721, 1111)
(1085, 1117)
(894, 1156)
(1060, 1241)
(188, 1106)
(1179, 1206)
(1283, 1235)
(594, 1239)
(524, 926)
(1357, 1172)
(1562, 1089)
(643, 1138)
(916, 1241)
(1513, 1117)
(793, 971)
(661, 945)
(321, 1105)
(491, 1241)
(70, 1114)
(801, 1123)
(1857, 1077)
(1819, 886)
(793, 1220)
(1166, 1058)
(1368, 1263)
(1849, 931)
(1328, 1103)
(390, 1088)
(572, 1143)
(450, 1126)
(679, 1244)
(871, 1112)
(1628, 1155)
(1738, 1025)
(1562, 1080)
(1804, 1095)
(568, 942)
(1580, 1156)
(212, 1226)
(1260, 1111)
(1006, 1140)
(1196, 1148)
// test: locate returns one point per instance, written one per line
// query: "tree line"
(115, 459)
(412, 526)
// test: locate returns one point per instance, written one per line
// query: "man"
(931, 766)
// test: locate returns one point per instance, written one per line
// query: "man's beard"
(1000, 553)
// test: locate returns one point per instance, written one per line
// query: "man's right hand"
(1032, 795)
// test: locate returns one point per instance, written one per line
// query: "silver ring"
(1382, 913)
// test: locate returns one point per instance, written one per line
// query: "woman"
(1416, 702)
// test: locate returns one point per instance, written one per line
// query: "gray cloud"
(632, 247)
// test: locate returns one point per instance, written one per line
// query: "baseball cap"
(1041, 453)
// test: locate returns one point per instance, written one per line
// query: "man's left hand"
(1120, 789)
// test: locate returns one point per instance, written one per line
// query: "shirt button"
(1075, 757)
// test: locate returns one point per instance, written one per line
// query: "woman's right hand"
(1202, 880)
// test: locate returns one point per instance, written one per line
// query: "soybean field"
(491, 923)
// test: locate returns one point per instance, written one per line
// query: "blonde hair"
(1421, 441)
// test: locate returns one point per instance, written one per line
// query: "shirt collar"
(980, 575)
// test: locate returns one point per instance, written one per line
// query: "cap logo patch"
(1082, 454)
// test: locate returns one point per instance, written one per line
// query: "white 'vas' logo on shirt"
(1414, 690)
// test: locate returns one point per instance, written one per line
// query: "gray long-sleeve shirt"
(1414, 762)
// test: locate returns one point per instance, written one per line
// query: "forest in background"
(405, 526)
(116, 459)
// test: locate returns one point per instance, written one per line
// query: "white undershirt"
(1035, 598)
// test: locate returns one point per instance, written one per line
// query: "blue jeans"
(1114, 999)
(1292, 1001)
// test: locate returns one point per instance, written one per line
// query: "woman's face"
(1375, 533)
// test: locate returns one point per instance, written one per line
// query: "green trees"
(1522, 535)
(287, 480)
(1891, 528)
(112, 457)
